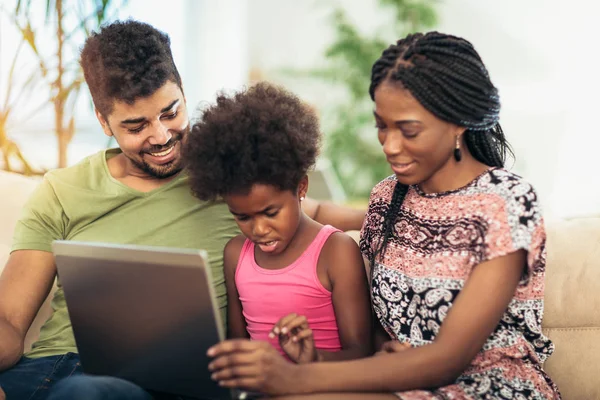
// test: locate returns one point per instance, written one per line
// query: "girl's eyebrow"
(264, 210)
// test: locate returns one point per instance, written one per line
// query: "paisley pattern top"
(437, 240)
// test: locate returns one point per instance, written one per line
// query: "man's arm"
(342, 217)
(24, 285)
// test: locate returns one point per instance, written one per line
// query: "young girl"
(290, 281)
(456, 245)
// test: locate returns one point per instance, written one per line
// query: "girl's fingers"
(277, 328)
(299, 322)
(302, 335)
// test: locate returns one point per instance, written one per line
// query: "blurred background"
(541, 54)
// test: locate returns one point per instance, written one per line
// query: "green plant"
(350, 142)
(69, 22)
(16, 96)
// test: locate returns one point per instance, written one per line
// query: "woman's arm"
(473, 317)
(327, 213)
(236, 322)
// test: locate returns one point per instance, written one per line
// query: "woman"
(455, 242)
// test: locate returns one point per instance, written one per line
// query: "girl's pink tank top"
(268, 295)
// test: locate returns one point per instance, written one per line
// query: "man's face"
(149, 131)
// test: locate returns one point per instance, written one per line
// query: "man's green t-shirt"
(85, 203)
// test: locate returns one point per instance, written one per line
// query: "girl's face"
(267, 215)
(415, 142)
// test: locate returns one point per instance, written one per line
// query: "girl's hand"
(295, 338)
(254, 366)
(393, 346)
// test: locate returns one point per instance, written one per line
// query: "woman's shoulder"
(507, 185)
(511, 206)
(385, 188)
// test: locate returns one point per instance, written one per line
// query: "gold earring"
(457, 152)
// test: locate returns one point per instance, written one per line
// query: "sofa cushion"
(15, 190)
(572, 306)
(575, 364)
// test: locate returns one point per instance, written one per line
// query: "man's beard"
(159, 171)
(169, 169)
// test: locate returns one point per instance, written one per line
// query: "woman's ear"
(459, 131)
(303, 187)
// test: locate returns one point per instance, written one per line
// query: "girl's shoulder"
(232, 250)
(236, 242)
(337, 243)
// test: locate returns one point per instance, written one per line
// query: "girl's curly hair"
(263, 134)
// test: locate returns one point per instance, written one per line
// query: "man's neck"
(121, 169)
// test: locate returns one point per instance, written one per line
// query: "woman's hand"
(253, 365)
(393, 346)
(295, 338)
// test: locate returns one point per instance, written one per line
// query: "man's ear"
(303, 187)
(104, 123)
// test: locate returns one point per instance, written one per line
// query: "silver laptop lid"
(144, 314)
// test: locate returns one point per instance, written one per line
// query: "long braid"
(447, 76)
(400, 191)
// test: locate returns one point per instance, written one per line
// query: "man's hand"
(295, 338)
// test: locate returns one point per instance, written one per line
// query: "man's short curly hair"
(126, 60)
(261, 135)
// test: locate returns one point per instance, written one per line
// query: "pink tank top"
(267, 295)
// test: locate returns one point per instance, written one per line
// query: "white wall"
(208, 41)
(541, 55)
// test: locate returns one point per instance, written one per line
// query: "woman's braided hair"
(447, 76)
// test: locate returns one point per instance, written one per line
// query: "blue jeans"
(91, 387)
(33, 378)
(61, 378)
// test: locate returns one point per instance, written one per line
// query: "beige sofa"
(572, 318)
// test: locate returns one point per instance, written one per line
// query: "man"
(133, 194)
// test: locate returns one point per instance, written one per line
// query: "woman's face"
(415, 142)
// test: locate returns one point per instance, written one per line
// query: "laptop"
(144, 314)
